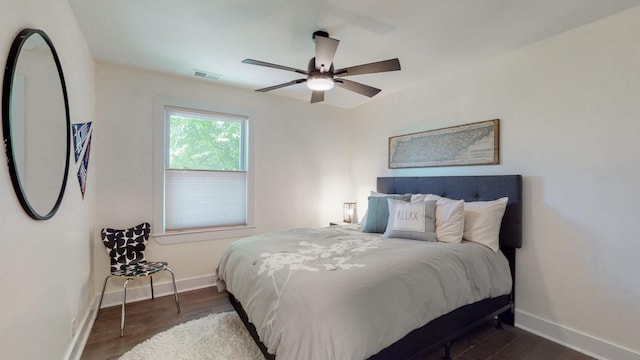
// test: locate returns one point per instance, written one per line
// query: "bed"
(347, 310)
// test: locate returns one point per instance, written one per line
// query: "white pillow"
(422, 197)
(449, 217)
(482, 220)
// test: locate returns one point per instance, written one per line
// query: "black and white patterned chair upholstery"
(125, 248)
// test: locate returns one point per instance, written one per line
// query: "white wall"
(569, 123)
(300, 169)
(46, 280)
(569, 108)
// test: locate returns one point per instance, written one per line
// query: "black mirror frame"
(9, 70)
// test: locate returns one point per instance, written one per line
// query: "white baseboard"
(574, 339)
(82, 333)
(136, 294)
(160, 289)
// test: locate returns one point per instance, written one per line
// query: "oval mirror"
(35, 123)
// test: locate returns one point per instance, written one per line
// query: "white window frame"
(160, 138)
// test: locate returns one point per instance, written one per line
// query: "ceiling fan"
(322, 76)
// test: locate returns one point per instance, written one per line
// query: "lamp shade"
(349, 212)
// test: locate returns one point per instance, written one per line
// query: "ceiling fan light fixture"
(320, 83)
(321, 75)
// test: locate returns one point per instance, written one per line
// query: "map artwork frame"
(470, 144)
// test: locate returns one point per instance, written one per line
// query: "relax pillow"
(482, 220)
(412, 220)
(378, 212)
(449, 217)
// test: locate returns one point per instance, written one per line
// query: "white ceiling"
(428, 36)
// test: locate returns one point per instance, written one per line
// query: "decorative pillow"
(126, 247)
(449, 217)
(363, 222)
(412, 220)
(482, 220)
(378, 212)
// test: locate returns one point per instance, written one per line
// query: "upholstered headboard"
(473, 188)
(469, 188)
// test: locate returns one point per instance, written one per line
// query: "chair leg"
(151, 280)
(102, 296)
(124, 302)
(175, 290)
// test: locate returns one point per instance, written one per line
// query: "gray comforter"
(338, 293)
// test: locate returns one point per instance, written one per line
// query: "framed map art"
(470, 144)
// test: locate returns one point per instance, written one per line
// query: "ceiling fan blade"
(294, 82)
(317, 96)
(325, 50)
(376, 67)
(363, 89)
(275, 66)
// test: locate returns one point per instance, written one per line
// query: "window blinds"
(200, 199)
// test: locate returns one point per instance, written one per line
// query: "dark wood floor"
(149, 317)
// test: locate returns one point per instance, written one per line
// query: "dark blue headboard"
(469, 188)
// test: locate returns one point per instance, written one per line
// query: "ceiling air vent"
(206, 74)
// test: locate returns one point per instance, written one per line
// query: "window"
(202, 176)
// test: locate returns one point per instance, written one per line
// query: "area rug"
(217, 336)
